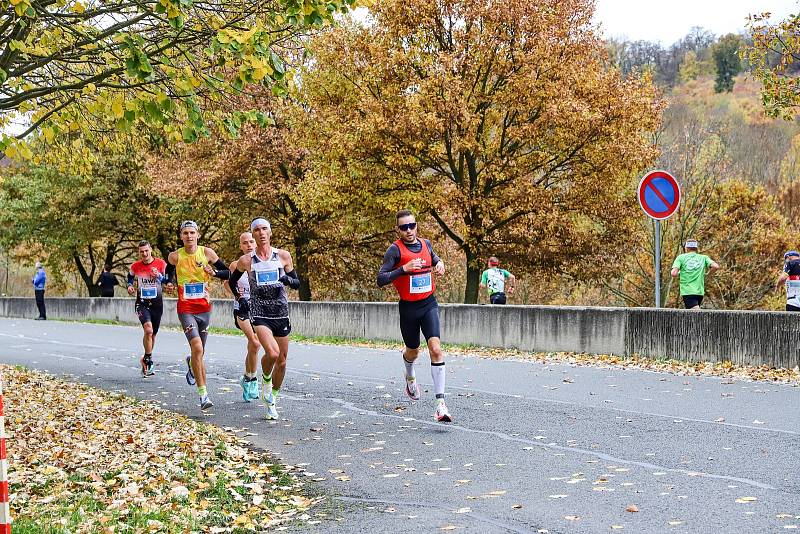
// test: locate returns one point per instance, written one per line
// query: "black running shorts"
(497, 298)
(416, 316)
(237, 315)
(150, 311)
(690, 301)
(279, 327)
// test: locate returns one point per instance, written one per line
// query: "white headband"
(260, 222)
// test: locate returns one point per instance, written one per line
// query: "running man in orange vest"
(410, 264)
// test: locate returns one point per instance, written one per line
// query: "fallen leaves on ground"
(723, 369)
(85, 461)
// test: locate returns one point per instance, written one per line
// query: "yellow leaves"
(117, 109)
(48, 134)
(18, 150)
(78, 7)
(86, 456)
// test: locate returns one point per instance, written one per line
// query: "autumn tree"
(728, 64)
(502, 120)
(81, 222)
(737, 221)
(772, 57)
(162, 62)
(281, 172)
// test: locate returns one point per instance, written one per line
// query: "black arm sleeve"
(387, 272)
(222, 270)
(434, 258)
(291, 279)
(130, 279)
(170, 273)
(233, 281)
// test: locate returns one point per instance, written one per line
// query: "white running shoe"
(412, 388)
(205, 403)
(441, 414)
(272, 411)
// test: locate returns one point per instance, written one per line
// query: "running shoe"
(189, 374)
(272, 411)
(245, 388)
(147, 367)
(412, 388)
(205, 402)
(441, 414)
(253, 389)
(269, 400)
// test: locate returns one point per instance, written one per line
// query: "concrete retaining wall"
(752, 338)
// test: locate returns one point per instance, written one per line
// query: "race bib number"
(194, 290)
(421, 283)
(792, 289)
(266, 272)
(148, 291)
(266, 277)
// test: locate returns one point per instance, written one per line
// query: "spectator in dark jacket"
(107, 282)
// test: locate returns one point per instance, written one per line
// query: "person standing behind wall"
(107, 281)
(691, 268)
(791, 277)
(494, 279)
(39, 280)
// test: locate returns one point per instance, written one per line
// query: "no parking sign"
(659, 196)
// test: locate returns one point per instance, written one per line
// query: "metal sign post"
(658, 263)
(659, 196)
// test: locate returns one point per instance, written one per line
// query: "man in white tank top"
(270, 271)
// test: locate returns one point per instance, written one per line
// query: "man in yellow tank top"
(193, 266)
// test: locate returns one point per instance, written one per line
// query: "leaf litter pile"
(85, 460)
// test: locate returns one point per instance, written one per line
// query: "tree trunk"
(301, 266)
(473, 277)
(87, 277)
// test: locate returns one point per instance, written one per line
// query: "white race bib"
(792, 289)
(420, 283)
(148, 291)
(266, 272)
(194, 290)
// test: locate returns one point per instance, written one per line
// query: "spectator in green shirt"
(692, 268)
(494, 280)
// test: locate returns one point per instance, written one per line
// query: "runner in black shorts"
(147, 274)
(269, 271)
(241, 318)
(409, 264)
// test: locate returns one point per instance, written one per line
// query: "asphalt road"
(534, 447)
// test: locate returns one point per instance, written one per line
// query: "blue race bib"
(149, 292)
(194, 290)
(420, 283)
